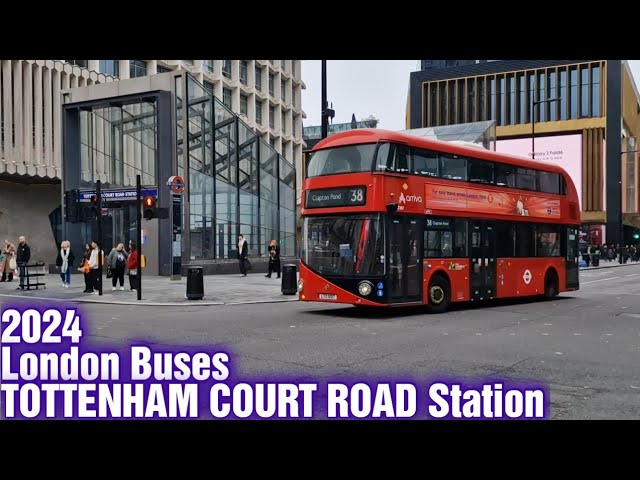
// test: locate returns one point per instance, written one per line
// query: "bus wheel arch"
(551, 283)
(439, 293)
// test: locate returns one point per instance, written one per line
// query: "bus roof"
(374, 135)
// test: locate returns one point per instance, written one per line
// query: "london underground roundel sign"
(176, 184)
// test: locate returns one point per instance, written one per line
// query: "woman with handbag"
(64, 262)
(9, 263)
(132, 265)
(84, 268)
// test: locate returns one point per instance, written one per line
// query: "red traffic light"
(94, 199)
(149, 202)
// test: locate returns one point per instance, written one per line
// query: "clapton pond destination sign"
(337, 197)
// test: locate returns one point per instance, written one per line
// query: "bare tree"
(371, 121)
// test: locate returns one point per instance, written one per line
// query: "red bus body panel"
(427, 196)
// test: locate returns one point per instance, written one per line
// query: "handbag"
(12, 264)
(109, 272)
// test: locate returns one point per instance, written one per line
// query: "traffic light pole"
(100, 247)
(139, 234)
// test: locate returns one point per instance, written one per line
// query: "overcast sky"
(367, 87)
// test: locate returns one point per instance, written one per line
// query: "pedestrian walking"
(9, 264)
(117, 263)
(132, 265)
(94, 275)
(85, 269)
(23, 255)
(243, 250)
(274, 259)
(64, 262)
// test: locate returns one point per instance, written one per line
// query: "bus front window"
(348, 159)
(351, 245)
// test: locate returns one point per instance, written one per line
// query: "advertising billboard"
(562, 150)
(471, 199)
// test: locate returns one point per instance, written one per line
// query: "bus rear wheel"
(551, 288)
(438, 294)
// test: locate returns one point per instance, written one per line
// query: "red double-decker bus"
(392, 219)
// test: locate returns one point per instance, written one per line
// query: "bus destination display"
(337, 197)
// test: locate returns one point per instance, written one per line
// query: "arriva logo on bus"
(410, 198)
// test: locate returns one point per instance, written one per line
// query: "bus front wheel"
(439, 294)
(551, 284)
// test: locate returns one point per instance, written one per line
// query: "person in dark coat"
(274, 259)
(243, 250)
(23, 255)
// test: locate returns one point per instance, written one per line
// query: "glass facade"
(508, 98)
(237, 184)
(137, 68)
(110, 67)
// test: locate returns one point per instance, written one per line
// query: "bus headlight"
(365, 288)
(300, 285)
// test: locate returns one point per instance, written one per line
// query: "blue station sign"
(118, 195)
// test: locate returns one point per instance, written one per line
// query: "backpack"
(120, 263)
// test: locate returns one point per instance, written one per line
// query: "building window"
(283, 123)
(272, 85)
(243, 71)
(542, 95)
(595, 91)
(110, 67)
(522, 107)
(584, 92)
(492, 99)
(573, 93)
(226, 98)
(208, 87)
(272, 117)
(258, 112)
(79, 63)
(293, 67)
(283, 90)
(244, 109)
(272, 142)
(208, 65)
(553, 93)
(161, 69)
(226, 68)
(293, 97)
(258, 78)
(282, 64)
(137, 68)
(564, 98)
(188, 62)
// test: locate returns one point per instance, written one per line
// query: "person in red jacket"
(132, 265)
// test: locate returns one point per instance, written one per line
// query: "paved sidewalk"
(160, 291)
(606, 264)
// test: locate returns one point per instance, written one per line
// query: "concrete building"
(571, 109)
(265, 93)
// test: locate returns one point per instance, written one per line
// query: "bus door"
(571, 260)
(405, 259)
(483, 260)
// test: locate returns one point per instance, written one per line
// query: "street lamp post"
(533, 123)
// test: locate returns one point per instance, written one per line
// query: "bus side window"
(425, 162)
(505, 175)
(383, 158)
(401, 159)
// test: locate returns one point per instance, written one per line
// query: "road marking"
(631, 275)
(601, 280)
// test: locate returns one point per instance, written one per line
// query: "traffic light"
(72, 211)
(94, 206)
(149, 208)
(636, 234)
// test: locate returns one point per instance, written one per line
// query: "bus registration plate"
(328, 296)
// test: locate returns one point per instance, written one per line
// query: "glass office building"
(164, 125)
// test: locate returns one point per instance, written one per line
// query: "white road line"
(631, 275)
(601, 280)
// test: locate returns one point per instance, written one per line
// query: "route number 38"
(357, 196)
